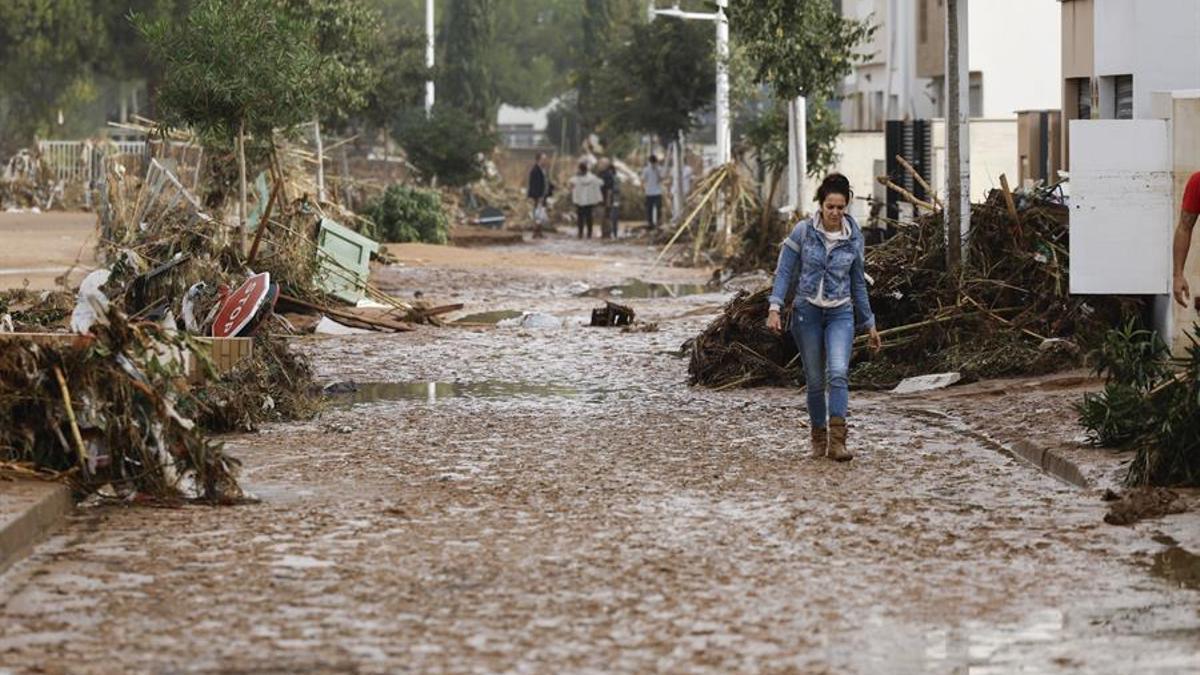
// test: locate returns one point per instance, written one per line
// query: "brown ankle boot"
(837, 440)
(820, 441)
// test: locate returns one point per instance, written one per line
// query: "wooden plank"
(1011, 205)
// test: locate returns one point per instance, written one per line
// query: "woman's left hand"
(874, 341)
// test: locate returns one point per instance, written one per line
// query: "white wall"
(1017, 45)
(993, 152)
(856, 155)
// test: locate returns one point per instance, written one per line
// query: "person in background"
(586, 194)
(611, 191)
(1188, 213)
(652, 180)
(539, 191)
(823, 259)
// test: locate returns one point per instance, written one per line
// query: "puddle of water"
(430, 392)
(490, 318)
(1177, 566)
(639, 289)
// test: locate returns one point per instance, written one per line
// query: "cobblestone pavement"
(558, 500)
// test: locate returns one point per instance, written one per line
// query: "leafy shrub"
(448, 145)
(406, 213)
(1150, 403)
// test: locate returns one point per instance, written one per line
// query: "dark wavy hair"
(834, 184)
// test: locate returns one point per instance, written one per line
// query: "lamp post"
(724, 141)
(724, 137)
(429, 55)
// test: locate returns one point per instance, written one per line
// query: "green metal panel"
(345, 261)
(256, 211)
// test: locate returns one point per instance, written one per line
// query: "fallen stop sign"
(240, 307)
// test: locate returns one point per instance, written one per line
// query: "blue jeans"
(825, 338)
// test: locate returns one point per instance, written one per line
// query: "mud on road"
(563, 502)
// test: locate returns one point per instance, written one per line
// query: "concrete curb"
(43, 509)
(1045, 459)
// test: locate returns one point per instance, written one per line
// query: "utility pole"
(429, 56)
(958, 138)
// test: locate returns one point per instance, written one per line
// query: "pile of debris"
(27, 183)
(1008, 312)
(181, 334)
(737, 350)
(109, 411)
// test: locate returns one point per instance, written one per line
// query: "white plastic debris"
(540, 320)
(328, 326)
(91, 304)
(189, 308)
(927, 383)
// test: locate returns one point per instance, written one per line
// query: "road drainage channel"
(346, 394)
(1048, 462)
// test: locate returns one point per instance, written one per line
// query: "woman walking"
(823, 260)
(586, 194)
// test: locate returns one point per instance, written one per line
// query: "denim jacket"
(803, 255)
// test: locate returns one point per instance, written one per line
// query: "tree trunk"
(241, 147)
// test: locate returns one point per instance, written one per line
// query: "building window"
(1082, 91)
(975, 95)
(1123, 97)
(923, 20)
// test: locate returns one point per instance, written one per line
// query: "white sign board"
(1121, 207)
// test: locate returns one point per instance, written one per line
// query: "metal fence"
(74, 162)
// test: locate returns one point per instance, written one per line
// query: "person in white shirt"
(586, 194)
(652, 181)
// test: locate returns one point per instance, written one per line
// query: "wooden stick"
(1011, 205)
(908, 196)
(1002, 320)
(75, 435)
(688, 221)
(348, 316)
(919, 178)
(263, 224)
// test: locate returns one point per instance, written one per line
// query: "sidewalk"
(29, 510)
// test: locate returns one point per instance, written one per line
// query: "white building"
(1117, 53)
(1014, 54)
(1131, 83)
(524, 127)
(1015, 61)
(886, 86)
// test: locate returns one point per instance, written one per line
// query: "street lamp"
(429, 56)
(722, 20)
(724, 138)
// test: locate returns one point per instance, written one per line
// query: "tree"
(798, 48)
(658, 80)
(399, 62)
(466, 79)
(447, 146)
(347, 37)
(233, 67)
(45, 52)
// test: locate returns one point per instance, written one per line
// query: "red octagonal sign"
(241, 306)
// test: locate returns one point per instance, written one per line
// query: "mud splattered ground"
(558, 500)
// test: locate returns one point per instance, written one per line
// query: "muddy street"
(542, 498)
